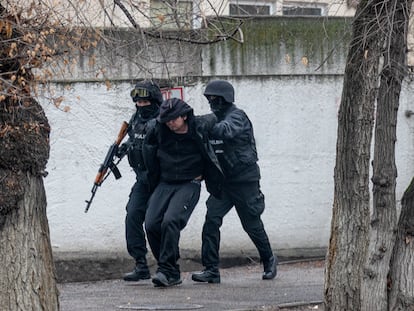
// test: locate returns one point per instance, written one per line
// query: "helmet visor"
(140, 93)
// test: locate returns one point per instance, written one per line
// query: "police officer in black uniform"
(233, 140)
(147, 97)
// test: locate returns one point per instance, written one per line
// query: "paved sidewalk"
(241, 289)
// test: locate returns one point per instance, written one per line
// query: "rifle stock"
(108, 164)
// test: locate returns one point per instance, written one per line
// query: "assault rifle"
(108, 164)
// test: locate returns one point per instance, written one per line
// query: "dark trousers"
(249, 203)
(134, 221)
(169, 210)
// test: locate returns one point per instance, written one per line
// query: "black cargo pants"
(134, 221)
(169, 210)
(248, 200)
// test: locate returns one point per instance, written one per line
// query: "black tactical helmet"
(220, 88)
(147, 90)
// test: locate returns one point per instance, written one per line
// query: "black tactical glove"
(122, 150)
(206, 122)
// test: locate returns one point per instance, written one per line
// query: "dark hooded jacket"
(158, 140)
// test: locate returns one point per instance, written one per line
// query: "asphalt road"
(298, 286)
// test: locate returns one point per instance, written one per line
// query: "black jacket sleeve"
(149, 153)
(213, 174)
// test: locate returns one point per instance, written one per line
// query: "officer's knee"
(151, 226)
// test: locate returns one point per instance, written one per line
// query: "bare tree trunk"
(393, 19)
(27, 276)
(350, 220)
(356, 275)
(401, 280)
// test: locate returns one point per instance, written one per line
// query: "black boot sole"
(137, 278)
(159, 283)
(215, 280)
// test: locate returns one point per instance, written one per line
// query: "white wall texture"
(293, 108)
(295, 123)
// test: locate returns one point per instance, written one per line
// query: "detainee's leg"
(176, 216)
(157, 205)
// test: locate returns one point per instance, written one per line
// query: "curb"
(96, 266)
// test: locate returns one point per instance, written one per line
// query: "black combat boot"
(210, 275)
(140, 272)
(270, 268)
(162, 280)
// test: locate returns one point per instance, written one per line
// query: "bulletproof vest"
(138, 130)
(238, 155)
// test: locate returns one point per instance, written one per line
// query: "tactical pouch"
(256, 205)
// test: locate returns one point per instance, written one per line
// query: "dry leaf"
(58, 101)
(108, 85)
(92, 61)
(287, 58)
(9, 30)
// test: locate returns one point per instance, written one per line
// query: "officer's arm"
(233, 125)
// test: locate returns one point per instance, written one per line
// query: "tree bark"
(393, 22)
(401, 280)
(27, 275)
(350, 219)
(357, 272)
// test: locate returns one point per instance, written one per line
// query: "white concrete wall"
(293, 108)
(295, 123)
